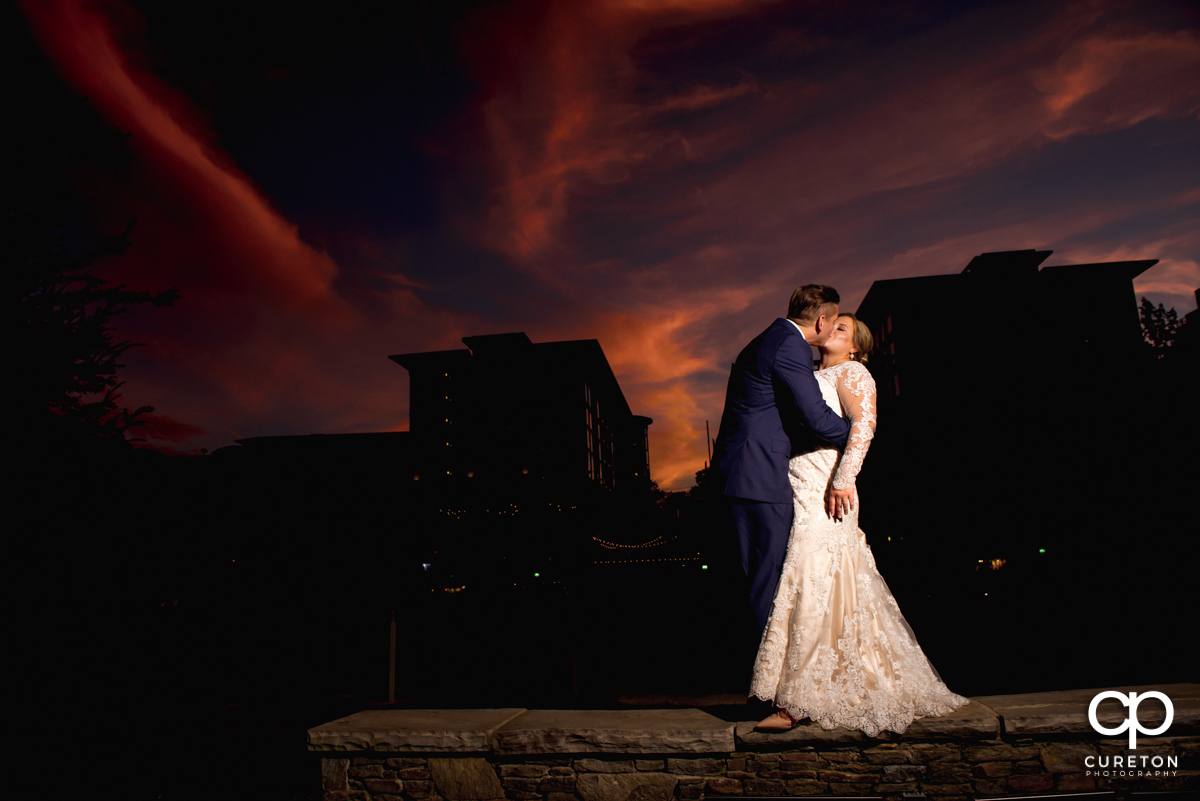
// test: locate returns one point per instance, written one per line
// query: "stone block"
(334, 773)
(991, 770)
(648, 764)
(463, 779)
(807, 733)
(1075, 783)
(557, 784)
(991, 786)
(841, 756)
(561, 770)
(736, 764)
(406, 762)
(524, 771)
(520, 783)
(1031, 783)
(1067, 757)
(411, 730)
(842, 788)
(806, 787)
(895, 789)
(366, 772)
(639, 731)
(948, 773)
(625, 787)
(925, 753)
(795, 756)
(788, 774)
(1000, 752)
(1066, 712)
(419, 789)
(763, 787)
(696, 767)
(724, 786)
(560, 797)
(415, 773)
(974, 720)
(383, 786)
(876, 756)
(845, 776)
(740, 774)
(605, 766)
(904, 773)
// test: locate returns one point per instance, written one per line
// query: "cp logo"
(1132, 723)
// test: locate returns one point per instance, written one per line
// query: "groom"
(772, 401)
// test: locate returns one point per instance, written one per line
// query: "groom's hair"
(808, 302)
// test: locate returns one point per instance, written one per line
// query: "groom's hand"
(839, 502)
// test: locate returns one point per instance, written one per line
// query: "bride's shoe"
(780, 721)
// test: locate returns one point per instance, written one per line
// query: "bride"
(836, 648)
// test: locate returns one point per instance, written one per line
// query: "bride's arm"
(856, 391)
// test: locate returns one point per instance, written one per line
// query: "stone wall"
(995, 747)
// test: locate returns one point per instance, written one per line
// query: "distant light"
(537, 575)
(426, 565)
(704, 567)
(1041, 550)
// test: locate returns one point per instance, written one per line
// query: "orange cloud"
(1101, 82)
(561, 118)
(273, 258)
(567, 124)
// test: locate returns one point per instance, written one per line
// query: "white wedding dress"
(836, 648)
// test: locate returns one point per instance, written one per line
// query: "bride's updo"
(862, 339)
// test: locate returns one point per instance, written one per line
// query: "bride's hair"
(862, 339)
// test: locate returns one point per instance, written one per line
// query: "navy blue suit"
(773, 407)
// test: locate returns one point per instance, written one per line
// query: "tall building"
(1012, 398)
(506, 409)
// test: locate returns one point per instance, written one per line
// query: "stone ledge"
(975, 721)
(682, 731)
(641, 731)
(421, 730)
(1065, 712)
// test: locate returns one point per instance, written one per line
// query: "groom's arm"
(793, 364)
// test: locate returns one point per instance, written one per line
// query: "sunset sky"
(331, 184)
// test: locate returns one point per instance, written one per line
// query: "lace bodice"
(856, 393)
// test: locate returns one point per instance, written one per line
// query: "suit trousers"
(763, 530)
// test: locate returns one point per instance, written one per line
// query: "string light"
(640, 561)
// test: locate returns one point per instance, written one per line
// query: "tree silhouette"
(1160, 326)
(68, 350)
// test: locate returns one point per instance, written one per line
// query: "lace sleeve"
(856, 391)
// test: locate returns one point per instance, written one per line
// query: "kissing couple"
(835, 648)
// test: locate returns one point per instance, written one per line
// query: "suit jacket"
(772, 402)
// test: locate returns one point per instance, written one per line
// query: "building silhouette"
(1017, 404)
(505, 410)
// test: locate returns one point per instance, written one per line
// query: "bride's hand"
(839, 502)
